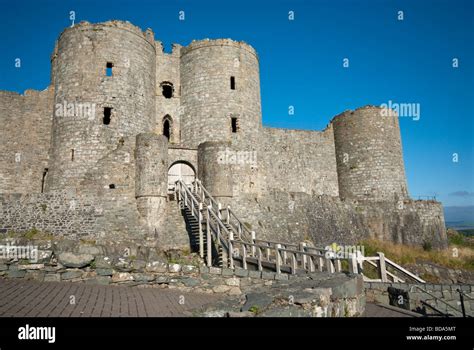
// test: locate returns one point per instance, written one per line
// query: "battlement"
(197, 44)
(147, 35)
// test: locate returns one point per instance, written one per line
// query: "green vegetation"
(32, 234)
(459, 254)
(254, 309)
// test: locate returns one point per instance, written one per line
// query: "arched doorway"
(180, 170)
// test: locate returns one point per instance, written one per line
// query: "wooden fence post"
(208, 239)
(201, 236)
(382, 267)
(278, 263)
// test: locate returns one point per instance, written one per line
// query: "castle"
(97, 153)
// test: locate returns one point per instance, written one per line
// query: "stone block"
(75, 260)
(255, 274)
(174, 268)
(268, 275)
(241, 272)
(69, 275)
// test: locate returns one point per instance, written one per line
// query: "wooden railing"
(238, 242)
(380, 262)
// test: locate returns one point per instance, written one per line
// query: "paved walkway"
(20, 298)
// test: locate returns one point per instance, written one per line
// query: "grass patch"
(457, 256)
(34, 233)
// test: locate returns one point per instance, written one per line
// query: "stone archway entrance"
(180, 170)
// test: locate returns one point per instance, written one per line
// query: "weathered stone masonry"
(122, 120)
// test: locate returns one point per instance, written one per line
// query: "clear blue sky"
(407, 61)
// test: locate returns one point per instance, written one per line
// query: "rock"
(52, 277)
(16, 273)
(53, 268)
(258, 301)
(121, 277)
(174, 268)
(156, 266)
(233, 282)
(143, 277)
(240, 314)
(138, 265)
(227, 272)
(35, 275)
(103, 262)
(162, 280)
(44, 256)
(286, 312)
(214, 313)
(234, 291)
(268, 275)
(255, 274)
(281, 277)
(188, 269)
(215, 270)
(88, 249)
(123, 265)
(191, 282)
(104, 272)
(69, 275)
(31, 267)
(75, 260)
(221, 289)
(241, 272)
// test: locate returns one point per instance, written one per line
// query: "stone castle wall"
(323, 220)
(62, 213)
(25, 133)
(298, 161)
(340, 184)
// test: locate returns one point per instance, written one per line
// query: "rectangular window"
(234, 124)
(107, 115)
(108, 69)
(232, 83)
(72, 155)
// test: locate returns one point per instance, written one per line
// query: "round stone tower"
(104, 82)
(151, 168)
(220, 92)
(214, 172)
(369, 155)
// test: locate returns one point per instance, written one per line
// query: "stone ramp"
(380, 310)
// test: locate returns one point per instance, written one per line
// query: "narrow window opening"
(167, 89)
(166, 129)
(107, 115)
(108, 69)
(43, 180)
(112, 186)
(232, 83)
(234, 125)
(72, 155)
